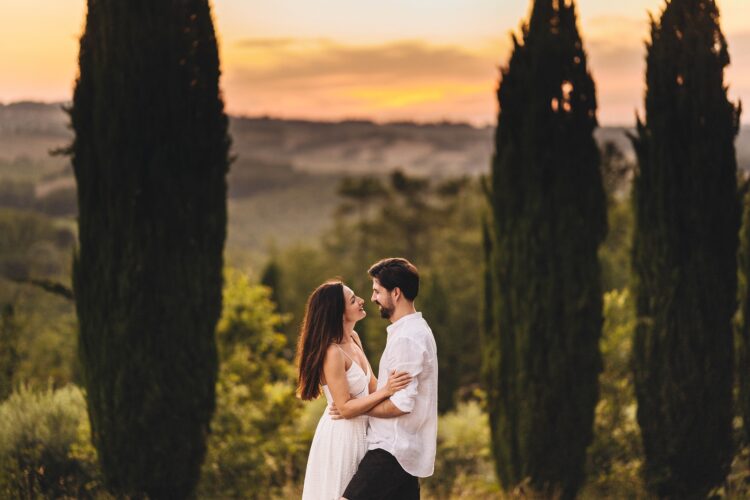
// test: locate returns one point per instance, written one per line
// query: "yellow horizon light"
(391, 98)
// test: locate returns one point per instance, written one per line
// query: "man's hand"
(334, 412)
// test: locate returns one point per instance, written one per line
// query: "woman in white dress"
(330, 356)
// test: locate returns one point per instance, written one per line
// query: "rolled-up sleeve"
(407, 355)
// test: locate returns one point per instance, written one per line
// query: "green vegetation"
(255, 448)
(548, 218)
(33, 245)
(250, 443)
(615, 456)
(45, 447)
(37, 328)
(686, 214)
(463, 463)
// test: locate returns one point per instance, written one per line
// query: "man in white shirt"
(403, 429)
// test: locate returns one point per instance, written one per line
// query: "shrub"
(254, 450)
(45, 448)
(463, 462)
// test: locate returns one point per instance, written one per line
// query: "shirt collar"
(394, 327)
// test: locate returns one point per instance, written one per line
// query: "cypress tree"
(271, 278)
(489, 337)
(436, 308)
(549, 217)
(150, 157)
(743, 316)
(684, 253)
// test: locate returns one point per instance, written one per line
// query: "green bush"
(45, 448)
(463, 462)
(255, 450)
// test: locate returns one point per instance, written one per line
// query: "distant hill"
(282, 185)
(29, 130)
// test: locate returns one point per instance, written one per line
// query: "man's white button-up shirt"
(411, 438)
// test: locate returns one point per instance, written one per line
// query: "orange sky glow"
(397, 60)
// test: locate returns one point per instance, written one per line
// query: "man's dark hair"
(397, 272)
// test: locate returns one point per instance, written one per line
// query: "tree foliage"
(548, 219)
(45, 447)
(684, 253)
(254, 449)
(150, 160)
(743, 319)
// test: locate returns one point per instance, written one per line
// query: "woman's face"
(354, 307)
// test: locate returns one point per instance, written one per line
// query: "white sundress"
(338, 445)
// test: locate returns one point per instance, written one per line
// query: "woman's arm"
(334, 369)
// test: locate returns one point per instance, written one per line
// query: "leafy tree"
(548, 219)
(150, 161)
(359, 195)
(684, 253)
(254, 449)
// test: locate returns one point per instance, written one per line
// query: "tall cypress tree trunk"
(684, 254)
(150, 160)
(549, 217)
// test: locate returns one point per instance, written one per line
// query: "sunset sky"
(422, 60)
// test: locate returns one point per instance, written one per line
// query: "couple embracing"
(377, 436)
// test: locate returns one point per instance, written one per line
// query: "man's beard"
(385, 312)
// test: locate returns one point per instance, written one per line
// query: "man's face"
(383, 299)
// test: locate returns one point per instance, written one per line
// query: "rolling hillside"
(282, 183)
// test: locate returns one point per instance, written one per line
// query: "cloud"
(311, 63)
(266, 43)
(407, 79)
(280, 43)
(616, 27)
(403, 79)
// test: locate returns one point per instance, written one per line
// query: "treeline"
(60, 202)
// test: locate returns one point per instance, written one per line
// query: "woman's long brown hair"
(322, 326)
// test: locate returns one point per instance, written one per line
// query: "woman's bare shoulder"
(334, 357)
